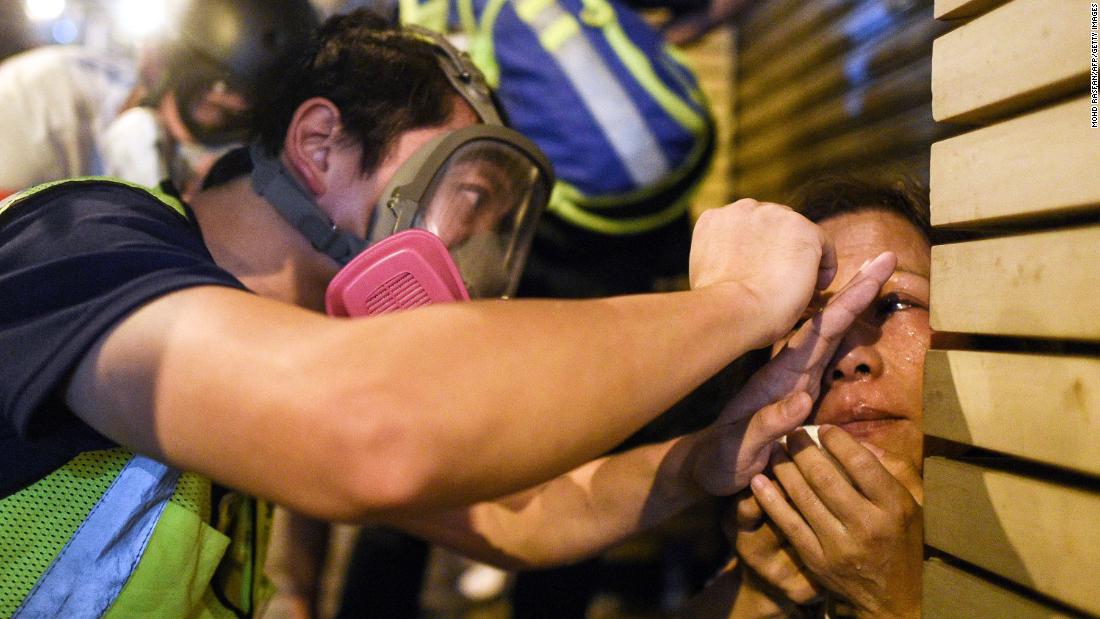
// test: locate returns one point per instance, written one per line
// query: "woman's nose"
(855, 361)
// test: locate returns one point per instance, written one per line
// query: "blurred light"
(137, 19)
(64, 31)
(44, 10)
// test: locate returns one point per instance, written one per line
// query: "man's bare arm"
(605, 501)
(447, 405)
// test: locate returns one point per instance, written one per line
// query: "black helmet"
(240, 45)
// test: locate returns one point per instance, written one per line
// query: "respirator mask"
(455, 221)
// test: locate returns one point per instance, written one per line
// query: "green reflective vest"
(116, 534)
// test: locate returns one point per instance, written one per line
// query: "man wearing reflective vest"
(168, 362)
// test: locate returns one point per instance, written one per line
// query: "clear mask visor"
(483, 203)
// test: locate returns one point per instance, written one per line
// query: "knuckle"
(825, 475)
(849, 557)
(863, 460)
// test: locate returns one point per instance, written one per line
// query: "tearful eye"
(891, 303)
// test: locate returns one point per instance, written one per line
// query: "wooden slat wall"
(950, 593)
(1019, 529)
(832, 86)
(1024, 53)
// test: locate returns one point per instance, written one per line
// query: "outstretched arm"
(444, 406)
(603, 502)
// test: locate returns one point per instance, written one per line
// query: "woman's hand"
(771, 563)
(862, 539)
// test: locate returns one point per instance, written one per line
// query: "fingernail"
(759, 482)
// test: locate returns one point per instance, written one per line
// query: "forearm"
(522, 391)
(574, 516)
(436, 408)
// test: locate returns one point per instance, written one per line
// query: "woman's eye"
(886, 306)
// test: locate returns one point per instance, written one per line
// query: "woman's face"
(872, 386)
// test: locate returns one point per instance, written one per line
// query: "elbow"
(384, 465)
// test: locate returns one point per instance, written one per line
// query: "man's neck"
(247, 237)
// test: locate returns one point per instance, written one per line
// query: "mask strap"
(463, 75)
(272, 182)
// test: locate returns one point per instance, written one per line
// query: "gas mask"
(455, 222)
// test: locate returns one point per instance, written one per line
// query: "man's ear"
(312, 134)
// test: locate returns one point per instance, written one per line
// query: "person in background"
(69, 111)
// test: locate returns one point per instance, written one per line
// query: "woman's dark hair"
(384, 81)
(830, 196)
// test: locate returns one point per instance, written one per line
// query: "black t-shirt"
(75, 260)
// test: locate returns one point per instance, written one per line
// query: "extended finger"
(767, 553)
(843, 307)
(789, 522)
(856, 295)
(733, 450)
(799, 589)
(864, 468)
(803, 497)
(799, 365)
(749, 516)
(776, 420)
(903, 470)
(826, 478)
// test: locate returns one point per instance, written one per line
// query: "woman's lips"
(868, 427)
(860, 421)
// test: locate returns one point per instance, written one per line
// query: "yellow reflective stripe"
(642, 70)
(528, 10)
(558, 32)
(466, 17)
(612, 201)
(482, 51)
(602, 94)
(677, 55)
(431, 14)
(168, 200)
(619, 225)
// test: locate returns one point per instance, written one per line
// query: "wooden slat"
(950, 593)
(798, 23)
(1037, 534)
(957, 9)
(889, 138)
(816, 48)
(758, 18)
(1041, 407)
(1012, 58)
(788, 100)
(1044, 285)
(900, 90)
(1043, 164)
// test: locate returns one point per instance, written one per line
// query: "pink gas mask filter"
(409, 269)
